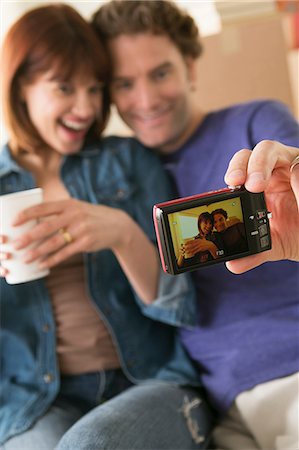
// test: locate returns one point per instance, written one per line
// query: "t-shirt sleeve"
(273, 120)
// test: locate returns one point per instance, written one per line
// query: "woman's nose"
(83, 106)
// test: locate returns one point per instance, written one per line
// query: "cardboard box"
(247, 60)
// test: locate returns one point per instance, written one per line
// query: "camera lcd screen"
(208, 233)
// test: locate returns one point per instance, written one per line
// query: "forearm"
(139, 260)
(180, 260)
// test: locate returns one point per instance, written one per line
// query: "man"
(233, 237)
(154, 48)
(245, 343)
(247, 333)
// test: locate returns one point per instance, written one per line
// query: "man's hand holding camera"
(273, 168)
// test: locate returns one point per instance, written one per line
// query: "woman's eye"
(64, 88)
(98, 89)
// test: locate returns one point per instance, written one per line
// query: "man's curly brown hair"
(161, 17)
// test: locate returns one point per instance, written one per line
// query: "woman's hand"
(67, 227)
(267, 168)
(3, 257)
(201, 245)
(181, 258)
(71, 226)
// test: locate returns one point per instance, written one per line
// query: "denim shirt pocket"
(116, 193)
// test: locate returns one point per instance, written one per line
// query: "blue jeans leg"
(151, 416)
(78, 395)
(47, 431)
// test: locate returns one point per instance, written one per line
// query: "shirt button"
(48, 378)
(46, 328)
(120, 193)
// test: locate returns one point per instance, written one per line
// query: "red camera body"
(210, 228)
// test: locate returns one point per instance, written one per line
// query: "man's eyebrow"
(163, 66)
(117, 78)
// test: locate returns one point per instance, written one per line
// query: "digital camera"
(212, 227)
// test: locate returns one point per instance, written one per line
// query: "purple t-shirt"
(248, 325)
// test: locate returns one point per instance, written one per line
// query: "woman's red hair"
(53, 36)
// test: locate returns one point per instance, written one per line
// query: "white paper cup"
(10, 205)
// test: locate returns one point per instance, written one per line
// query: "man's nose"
(147, 95)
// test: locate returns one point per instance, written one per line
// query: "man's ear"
(191, 71)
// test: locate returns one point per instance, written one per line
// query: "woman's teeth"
(75, 126)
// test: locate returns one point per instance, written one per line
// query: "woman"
(203, 248)
(85, 334)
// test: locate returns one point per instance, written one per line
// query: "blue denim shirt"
(119, 173)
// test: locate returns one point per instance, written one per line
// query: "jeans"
(153, 415)
(104, 411)
(47, 431)
(78, 395)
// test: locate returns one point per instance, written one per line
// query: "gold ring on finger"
(68, 238)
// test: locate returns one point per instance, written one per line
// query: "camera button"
(265, 241)
(260, 214)
(263, 230)
(254, 233)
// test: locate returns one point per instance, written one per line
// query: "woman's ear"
(22, 90)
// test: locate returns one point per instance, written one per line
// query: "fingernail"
(17, 244)
(15, 221)
(4, 255)
(27, 258)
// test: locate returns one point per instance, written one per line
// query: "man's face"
(152, 89)
(219, 222)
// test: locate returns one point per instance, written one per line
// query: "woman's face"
(63, 111)
(206, 226)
